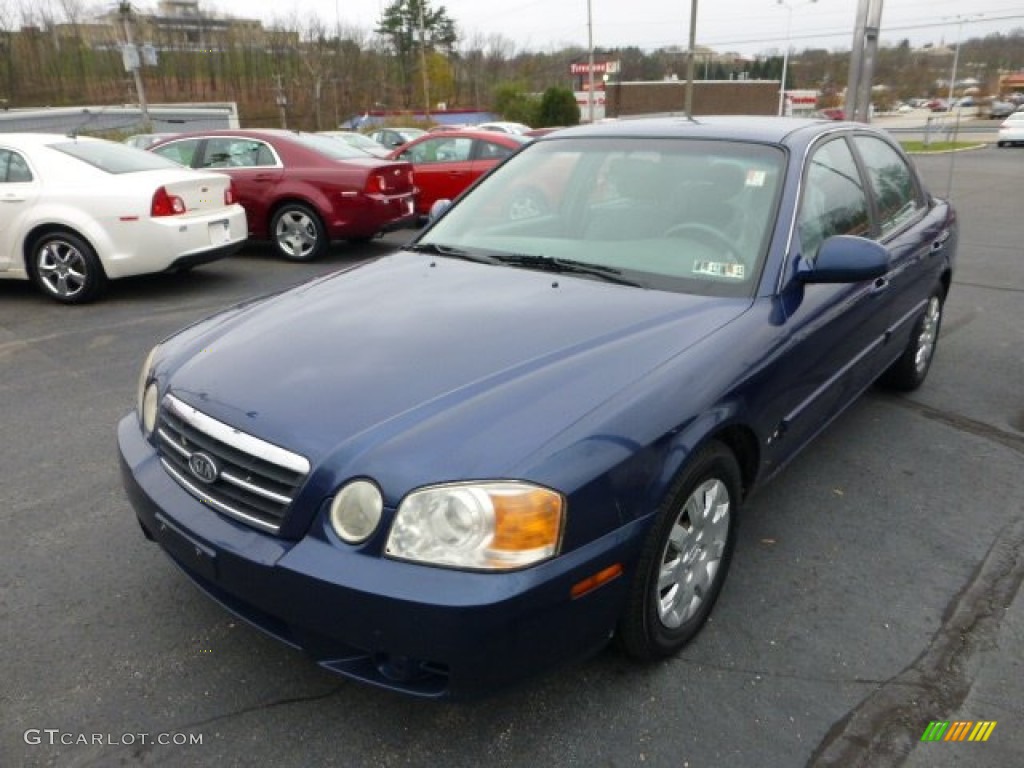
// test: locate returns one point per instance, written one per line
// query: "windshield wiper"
(451, 252)
(569, 266)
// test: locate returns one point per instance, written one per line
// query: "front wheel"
(910, 369)
(686, 557)
(298, 233)
(65, 267)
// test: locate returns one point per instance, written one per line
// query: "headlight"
(142, 390)
(356, 511)
(150, 401)
(489, 526)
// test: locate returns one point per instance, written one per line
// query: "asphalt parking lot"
(875, 588)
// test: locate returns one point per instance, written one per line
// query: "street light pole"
(590, 64)
(689, 59)
(785, 54)
(956, 52)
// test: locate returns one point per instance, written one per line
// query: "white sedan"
(1011, 131)
(78, 211)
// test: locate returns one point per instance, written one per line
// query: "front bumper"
(416, 629)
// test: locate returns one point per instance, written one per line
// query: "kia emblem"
(204, 468)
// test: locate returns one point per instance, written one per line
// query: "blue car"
(532, 429)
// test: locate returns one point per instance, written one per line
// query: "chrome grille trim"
(253, 481)
(236, 439)
(207, 499)
(239, 482)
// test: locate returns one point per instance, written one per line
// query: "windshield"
(685, 215)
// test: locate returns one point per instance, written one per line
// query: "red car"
(302, 190)
(446, 163)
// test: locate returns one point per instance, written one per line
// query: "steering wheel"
(707, 235)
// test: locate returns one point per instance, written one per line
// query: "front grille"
(237, 474)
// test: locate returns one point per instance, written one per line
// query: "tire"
(65, 268)
(1001, 143)
(911, 368)
(298, 233)
(685, 559)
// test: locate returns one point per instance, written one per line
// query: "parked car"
(1011, 130)
(1000, 110)
(146, 140)
(76, 212)
(504, 126)
(833, 113)
(938, 105)
(446, 163)
(489, 452)
(359, 141)
(535, 132)
(395, 137)
(302, 190)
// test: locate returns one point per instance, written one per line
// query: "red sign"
(600, 68)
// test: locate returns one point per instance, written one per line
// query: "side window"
(440, 150)
(892, 182)
(488, 150)
(834, 201)
(13, 168)
(233, 152)
(180, 152)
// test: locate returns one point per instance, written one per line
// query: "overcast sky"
(746, 26)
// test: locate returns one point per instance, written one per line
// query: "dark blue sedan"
(532, 429)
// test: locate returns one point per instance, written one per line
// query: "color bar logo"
(959, 730)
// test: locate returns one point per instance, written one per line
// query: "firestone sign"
(600, 68)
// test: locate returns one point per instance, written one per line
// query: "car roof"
(774, 130)
(264, 133)
(41, 139)
(472, 133)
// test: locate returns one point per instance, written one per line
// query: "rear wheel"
(909, 371)
(685, 558)
(298, 233)
(65, 267)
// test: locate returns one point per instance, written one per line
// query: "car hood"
(432, 361)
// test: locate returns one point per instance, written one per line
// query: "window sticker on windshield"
(756, 178)
(719, 269)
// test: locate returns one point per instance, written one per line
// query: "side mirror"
(845, 259)
(438, 208)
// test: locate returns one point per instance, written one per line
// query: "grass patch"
(938, 146)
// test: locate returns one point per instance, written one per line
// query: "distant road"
(940, 126)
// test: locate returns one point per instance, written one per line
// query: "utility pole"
(281, 100)
(423, 62)
(133, 63)
(862, 60)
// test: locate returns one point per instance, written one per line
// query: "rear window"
(329, 146)
(113, 157)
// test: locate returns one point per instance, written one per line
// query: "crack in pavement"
(138, 752)
(1012, 440)
(882, 730)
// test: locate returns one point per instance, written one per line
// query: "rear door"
(256, 169)
(914, 236)
(19, 190)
